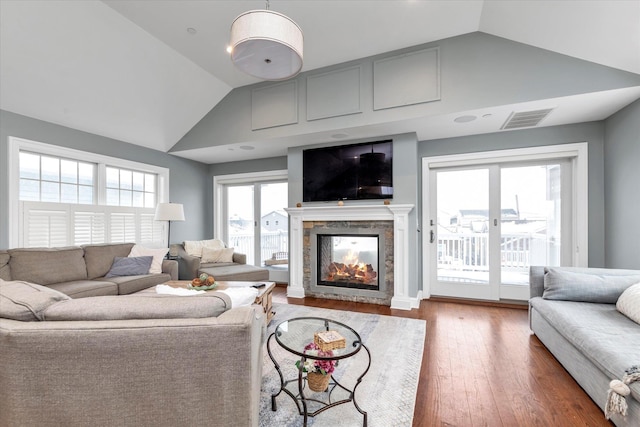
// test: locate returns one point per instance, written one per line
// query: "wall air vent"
(525, 119)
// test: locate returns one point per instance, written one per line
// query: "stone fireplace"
(349, 227)
(349, 260)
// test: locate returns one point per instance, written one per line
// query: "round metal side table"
(293, 335)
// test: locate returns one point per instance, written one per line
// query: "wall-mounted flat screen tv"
(348, 172)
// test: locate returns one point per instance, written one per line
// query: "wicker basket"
(318, 381)
(329, 340)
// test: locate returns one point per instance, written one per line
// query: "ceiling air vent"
(525, 119)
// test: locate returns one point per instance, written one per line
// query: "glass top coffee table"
(296, 336)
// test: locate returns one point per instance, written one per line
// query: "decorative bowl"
(203, 288)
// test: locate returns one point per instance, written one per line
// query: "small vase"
(317, 381)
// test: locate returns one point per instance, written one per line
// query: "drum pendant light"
(266, 45)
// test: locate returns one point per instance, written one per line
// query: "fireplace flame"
(352, 270)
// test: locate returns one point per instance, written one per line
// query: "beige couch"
(79, 271)
(191, 267)
(128, 360)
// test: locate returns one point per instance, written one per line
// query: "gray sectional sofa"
(573, 312)
(78, 348)
(79, 271)
(191, 267)
(127, 360)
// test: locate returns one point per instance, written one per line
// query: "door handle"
(432, 236)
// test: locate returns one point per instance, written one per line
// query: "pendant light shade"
(266, 45)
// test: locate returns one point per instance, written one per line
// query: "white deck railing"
(470, 251)
(270, 242)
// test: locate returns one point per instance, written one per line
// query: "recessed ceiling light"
(191, 30)
(486, 116)
(247, 147)
(464, 119)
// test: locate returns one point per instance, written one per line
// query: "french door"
(256, 223)
(488, 223)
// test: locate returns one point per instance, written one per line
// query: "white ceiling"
(129, 70)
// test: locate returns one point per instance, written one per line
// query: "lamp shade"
(169, 212)
(266, 44)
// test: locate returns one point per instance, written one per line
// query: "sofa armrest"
(536, 281)
(170, 267)
(239, 258)
(188, 265)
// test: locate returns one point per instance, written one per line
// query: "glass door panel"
(274, 221)
(462, 201)
(240, 220)
(531, 221)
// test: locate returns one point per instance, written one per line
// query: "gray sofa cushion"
(130, 307)
(130, 266)
(86, 288)
(47, 265)
(131, 284)
(594, 286)
(26, 301)
(5, 271)
(239, 272)
(99, 258)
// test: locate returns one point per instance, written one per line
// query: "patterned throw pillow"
(194, 247)
(629, 303)
(217, 255)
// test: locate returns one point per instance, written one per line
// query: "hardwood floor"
(482, 366)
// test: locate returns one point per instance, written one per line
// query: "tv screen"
(348, 172)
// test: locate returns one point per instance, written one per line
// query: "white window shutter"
(89, 228)
(45, 227)
(123, 227)
(151, 231)
(61, 224)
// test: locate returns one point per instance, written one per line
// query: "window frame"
(15, 145)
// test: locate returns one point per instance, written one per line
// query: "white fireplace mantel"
(399, 214)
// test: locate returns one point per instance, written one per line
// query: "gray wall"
(190, 183)
(248, 166)
(592, 133)
(622, 188)
(477, 70)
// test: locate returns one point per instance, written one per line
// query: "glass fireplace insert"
(348, 261)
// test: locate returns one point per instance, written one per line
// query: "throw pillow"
(194, 247)
(561, 284)
(217, 255)
(157, 254)
(130, 266)
(26, 301)
(629, 303)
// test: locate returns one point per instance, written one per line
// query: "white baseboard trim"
(404, 303)
(295, 292)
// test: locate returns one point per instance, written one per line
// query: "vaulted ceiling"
(147, 71)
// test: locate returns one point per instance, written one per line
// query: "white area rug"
(387, 392)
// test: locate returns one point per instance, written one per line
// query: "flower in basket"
(324, 367)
